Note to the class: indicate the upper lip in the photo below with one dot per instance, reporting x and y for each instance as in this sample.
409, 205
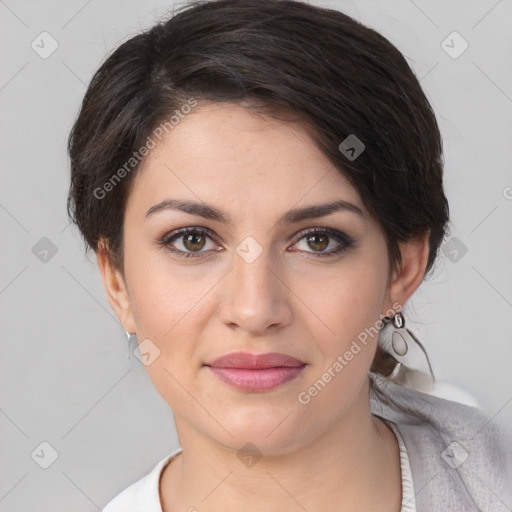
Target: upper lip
245, 360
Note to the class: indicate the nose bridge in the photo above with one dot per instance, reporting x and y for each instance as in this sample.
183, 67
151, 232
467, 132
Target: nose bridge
256, 298
253, 268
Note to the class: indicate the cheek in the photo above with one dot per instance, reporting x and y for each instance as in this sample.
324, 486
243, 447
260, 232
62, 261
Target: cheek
168, 310
346, 306
172, 306
349, 306
164, 295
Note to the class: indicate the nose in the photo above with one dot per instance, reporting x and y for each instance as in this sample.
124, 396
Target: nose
254, 298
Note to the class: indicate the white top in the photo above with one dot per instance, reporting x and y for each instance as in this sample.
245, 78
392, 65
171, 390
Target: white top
144, 495
408, 500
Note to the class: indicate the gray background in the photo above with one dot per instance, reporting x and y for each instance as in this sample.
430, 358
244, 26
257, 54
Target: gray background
65, 376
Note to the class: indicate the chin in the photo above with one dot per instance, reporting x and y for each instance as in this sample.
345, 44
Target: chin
272, 429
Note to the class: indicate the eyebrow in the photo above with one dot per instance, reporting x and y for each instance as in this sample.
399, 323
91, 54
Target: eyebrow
292, 216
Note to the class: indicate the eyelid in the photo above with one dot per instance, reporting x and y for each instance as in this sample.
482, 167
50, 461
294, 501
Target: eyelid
182, 231
334, 233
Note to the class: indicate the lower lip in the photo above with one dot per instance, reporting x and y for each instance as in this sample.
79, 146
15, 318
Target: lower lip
257, 380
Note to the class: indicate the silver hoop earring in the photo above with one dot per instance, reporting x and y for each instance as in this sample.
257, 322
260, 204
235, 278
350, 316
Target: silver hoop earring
413, 367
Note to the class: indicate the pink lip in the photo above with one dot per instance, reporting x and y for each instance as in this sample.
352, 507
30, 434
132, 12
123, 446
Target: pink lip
256, 372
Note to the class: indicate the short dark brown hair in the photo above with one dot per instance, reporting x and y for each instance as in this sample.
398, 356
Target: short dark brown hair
331, 73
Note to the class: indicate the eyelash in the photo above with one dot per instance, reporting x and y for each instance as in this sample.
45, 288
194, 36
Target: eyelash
345, 241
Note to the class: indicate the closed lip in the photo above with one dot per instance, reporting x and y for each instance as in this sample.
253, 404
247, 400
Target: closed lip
247, 361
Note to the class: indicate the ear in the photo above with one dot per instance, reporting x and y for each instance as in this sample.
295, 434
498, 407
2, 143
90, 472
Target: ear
115, 287
414, 263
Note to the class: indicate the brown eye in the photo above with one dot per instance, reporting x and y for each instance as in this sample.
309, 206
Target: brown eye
188, 242
324, 242
318, 242
194, 241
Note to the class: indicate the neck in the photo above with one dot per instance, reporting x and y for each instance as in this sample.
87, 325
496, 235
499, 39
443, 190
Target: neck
354, 465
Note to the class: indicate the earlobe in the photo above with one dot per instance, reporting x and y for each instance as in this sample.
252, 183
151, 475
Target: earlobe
115, 288
414, 263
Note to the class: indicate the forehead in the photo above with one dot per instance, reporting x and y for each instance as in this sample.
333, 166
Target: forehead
223, 154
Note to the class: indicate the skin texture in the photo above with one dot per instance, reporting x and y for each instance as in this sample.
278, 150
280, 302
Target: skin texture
329, 454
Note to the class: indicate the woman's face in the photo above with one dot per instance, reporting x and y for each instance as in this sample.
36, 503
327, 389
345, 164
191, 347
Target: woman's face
255, 279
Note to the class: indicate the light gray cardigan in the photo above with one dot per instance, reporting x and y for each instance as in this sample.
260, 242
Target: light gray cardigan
460, 459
